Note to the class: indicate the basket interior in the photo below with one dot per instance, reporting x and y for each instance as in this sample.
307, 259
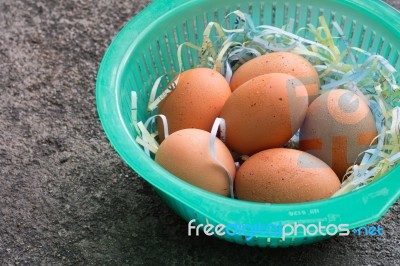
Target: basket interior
157, 55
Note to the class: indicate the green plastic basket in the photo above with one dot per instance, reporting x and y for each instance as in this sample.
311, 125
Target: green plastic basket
146, 48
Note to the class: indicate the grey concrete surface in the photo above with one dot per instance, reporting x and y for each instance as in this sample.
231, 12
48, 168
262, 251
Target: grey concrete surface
66, 198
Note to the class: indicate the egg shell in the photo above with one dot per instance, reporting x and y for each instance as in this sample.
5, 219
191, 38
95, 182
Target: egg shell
264, 112
338, 127
279, 62
186, 154
196, 101
285, 176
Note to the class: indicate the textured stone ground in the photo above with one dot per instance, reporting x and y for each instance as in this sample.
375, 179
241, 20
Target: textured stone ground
66, 198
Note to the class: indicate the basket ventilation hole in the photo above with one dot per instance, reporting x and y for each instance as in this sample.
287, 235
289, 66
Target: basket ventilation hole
273, 15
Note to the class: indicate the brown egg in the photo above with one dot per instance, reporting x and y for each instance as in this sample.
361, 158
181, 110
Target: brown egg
195, 102
186, 154
279, 62
338, 127
264, 112
285, 176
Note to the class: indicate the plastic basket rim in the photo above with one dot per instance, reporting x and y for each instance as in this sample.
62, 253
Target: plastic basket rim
106, 81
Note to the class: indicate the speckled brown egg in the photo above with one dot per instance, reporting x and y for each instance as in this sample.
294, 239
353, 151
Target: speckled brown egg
264, 112
285, 176
196, 101
186, 154
338, 127
279, 62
